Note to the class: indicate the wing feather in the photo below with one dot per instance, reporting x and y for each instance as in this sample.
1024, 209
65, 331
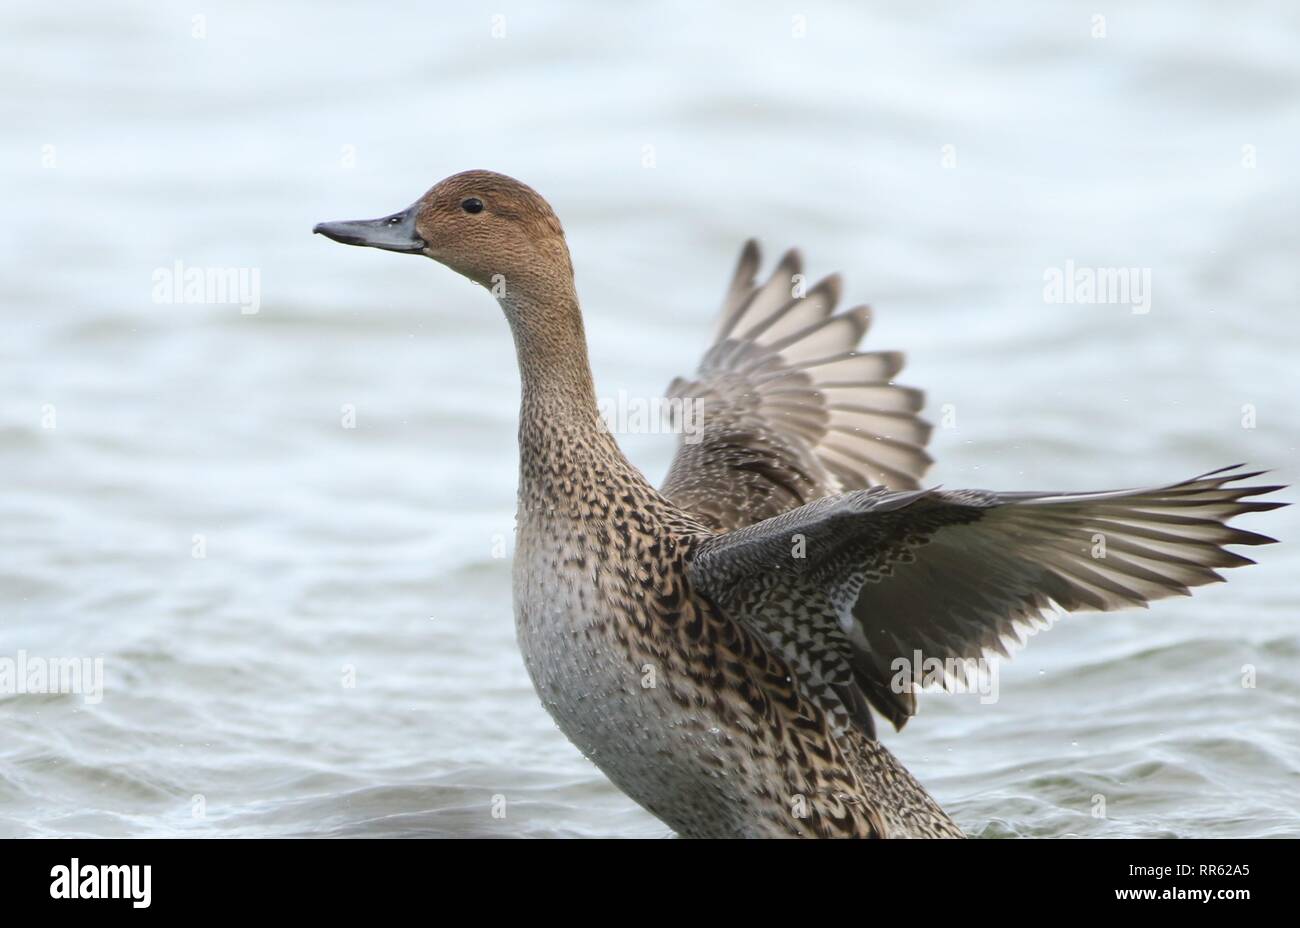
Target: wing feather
790, 411
954, 575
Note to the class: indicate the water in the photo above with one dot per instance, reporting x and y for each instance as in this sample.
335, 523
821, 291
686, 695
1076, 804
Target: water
368, 554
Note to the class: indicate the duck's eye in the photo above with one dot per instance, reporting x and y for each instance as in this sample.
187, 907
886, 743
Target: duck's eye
395, 220
472, 205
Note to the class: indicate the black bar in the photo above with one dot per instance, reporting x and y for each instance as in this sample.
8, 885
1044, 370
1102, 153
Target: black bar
331, 878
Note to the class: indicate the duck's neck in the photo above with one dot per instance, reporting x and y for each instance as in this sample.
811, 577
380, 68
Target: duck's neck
564, 447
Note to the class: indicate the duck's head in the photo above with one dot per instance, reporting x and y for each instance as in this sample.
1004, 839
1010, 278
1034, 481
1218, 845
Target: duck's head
491, 228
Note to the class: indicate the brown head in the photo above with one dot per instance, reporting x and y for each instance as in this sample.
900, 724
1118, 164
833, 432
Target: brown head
491, 228
501, 234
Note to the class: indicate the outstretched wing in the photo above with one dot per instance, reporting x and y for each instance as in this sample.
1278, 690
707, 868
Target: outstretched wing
788, 411
955, 574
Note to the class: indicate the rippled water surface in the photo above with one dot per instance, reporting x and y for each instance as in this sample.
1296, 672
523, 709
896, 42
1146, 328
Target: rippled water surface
136, 434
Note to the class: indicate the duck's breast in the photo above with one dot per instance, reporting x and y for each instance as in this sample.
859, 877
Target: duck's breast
624, 694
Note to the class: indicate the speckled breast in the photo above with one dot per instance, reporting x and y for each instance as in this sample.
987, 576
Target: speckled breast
602, 655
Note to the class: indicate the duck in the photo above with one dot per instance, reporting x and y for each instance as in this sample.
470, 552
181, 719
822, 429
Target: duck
721, 646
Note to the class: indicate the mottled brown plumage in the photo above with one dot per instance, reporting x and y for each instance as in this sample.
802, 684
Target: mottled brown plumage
717, 648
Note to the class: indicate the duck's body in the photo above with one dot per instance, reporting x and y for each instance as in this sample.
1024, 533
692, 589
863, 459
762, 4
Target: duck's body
718, 647
681, 707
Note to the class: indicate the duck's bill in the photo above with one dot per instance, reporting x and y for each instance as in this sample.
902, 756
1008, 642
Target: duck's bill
391, 233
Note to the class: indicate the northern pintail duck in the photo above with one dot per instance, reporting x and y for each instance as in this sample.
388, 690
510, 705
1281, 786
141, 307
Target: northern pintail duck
718, 646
